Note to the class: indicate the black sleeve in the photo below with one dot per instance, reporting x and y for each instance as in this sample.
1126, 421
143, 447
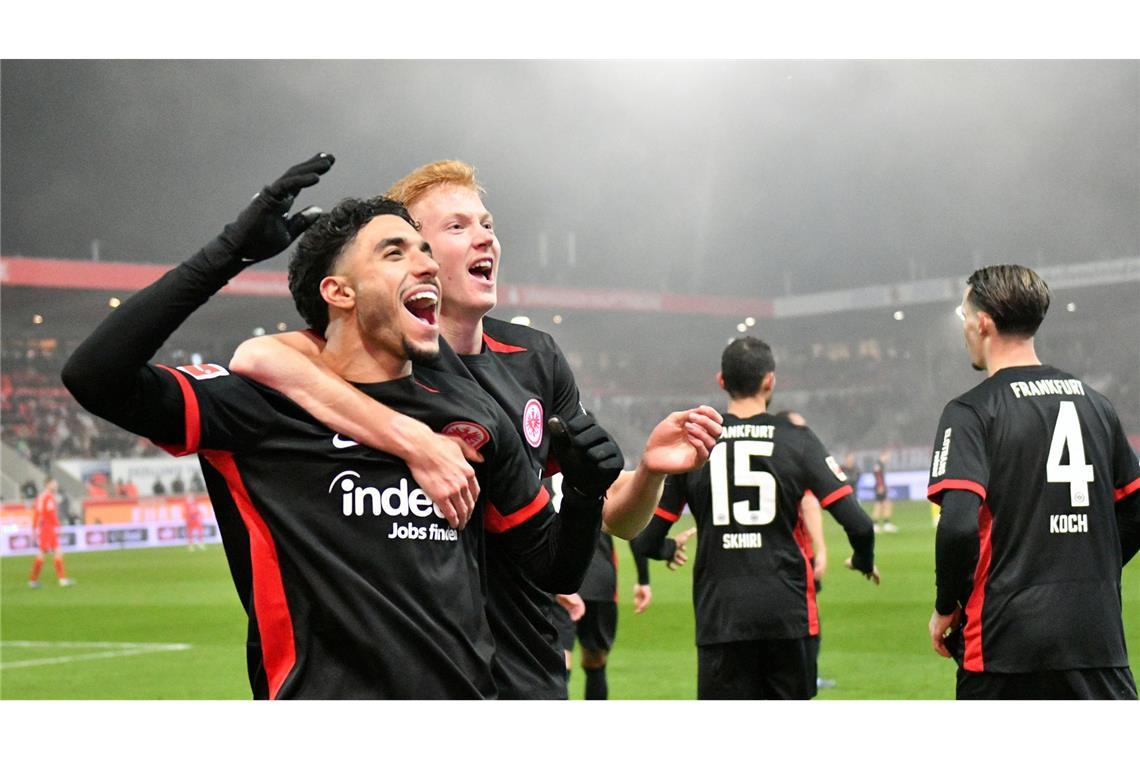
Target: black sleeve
1128, 522
1126, 489
641, 562
652, 542
960, 461
859, 529
108, 373
553, 548
956, 549
836, 495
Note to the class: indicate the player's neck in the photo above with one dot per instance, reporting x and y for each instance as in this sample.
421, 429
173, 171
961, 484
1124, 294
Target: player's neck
464, 332
1004, 353
356, 360
749, 406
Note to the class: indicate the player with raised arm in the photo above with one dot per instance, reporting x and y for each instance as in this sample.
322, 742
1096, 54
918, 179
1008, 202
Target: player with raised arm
1040, 497
354, 583
753, 586
526, 373
45, 526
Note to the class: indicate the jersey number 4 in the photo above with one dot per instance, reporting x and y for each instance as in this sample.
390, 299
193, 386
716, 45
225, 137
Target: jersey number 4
1078, 474
743, 477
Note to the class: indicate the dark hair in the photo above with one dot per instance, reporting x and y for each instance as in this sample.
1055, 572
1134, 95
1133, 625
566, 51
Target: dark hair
1014, 296
320, 246
744, 364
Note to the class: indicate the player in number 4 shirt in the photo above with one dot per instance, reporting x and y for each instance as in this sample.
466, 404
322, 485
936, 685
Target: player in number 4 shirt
753, 585
1040, 496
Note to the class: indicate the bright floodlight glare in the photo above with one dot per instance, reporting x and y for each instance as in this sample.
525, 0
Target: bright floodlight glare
258, 332
557, 319
750, 321
282, 327
114, 303
1070, 307
37, 319
521, 319
741, 327
898, 315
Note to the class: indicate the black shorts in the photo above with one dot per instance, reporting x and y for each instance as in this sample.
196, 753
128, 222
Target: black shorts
598, 627
880, 495
566, 628
759, 669
1088, 683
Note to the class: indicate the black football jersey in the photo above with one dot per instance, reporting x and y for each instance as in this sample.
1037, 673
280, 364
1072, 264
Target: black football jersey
525, 372
354, 583
1048, 458
752, 578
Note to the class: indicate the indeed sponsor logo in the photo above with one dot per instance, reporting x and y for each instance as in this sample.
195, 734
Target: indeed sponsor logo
394, 501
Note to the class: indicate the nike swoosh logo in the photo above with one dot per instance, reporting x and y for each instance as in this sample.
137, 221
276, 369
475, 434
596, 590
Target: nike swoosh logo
343, 443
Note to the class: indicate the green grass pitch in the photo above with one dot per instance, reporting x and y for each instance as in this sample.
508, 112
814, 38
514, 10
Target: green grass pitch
166, 624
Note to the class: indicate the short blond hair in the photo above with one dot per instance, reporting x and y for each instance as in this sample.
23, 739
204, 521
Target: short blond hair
430, 176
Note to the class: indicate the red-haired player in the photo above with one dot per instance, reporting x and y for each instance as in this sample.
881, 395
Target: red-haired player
45, 523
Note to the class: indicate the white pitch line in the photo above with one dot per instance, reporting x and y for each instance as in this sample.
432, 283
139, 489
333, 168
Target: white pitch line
117, 649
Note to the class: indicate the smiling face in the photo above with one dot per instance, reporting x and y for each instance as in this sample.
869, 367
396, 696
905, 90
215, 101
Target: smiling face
388, 279
459, 228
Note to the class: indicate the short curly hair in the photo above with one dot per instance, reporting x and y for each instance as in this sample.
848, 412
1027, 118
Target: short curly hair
322, 244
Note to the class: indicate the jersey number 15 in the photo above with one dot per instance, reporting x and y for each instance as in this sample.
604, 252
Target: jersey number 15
743, 477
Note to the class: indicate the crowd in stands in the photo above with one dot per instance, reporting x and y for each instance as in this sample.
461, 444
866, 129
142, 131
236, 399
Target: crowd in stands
864, 394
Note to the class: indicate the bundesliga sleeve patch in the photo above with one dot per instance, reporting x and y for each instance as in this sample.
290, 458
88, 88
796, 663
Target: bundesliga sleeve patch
836, 469
471, 433
204, 371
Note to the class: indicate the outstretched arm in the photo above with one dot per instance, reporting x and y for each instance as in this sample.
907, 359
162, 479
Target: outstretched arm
680, 443
290, 363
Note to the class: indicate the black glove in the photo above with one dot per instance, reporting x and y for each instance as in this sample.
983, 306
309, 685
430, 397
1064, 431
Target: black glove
590, 459
265, 228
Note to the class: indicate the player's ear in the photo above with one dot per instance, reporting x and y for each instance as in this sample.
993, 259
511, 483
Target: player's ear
768, 383
986, 324
337, 291
720, 380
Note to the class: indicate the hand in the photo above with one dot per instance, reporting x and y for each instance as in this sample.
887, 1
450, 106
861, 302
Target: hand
679, 555
819, 565
682, 441
873, 575
942, 626
265, 228
573, 604
590, 459
439, 465
642, 598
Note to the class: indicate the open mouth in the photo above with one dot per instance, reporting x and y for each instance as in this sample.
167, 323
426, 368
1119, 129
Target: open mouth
482, 269
422, 305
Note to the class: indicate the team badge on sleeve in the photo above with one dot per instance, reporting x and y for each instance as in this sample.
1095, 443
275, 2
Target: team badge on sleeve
533, 423
836, 469
204, 371
471, 433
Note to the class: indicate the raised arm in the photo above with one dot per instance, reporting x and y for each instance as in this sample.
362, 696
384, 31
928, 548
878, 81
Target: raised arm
108, 373
290, 363
680, 443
